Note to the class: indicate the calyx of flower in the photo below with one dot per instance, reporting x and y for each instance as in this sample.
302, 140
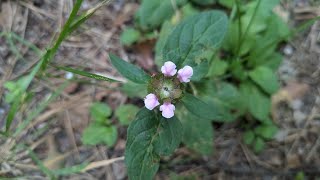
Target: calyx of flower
165, 88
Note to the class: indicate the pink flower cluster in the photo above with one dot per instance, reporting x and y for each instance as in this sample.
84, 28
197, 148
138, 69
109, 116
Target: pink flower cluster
168, 69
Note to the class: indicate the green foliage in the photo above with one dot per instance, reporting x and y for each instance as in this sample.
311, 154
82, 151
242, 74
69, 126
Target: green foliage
234, 63
152, 13
258, 145
200, 108
86, 74
100, 129
204, 2
266, 131
195, 36
197, 132
256, 102
129, 71
129, 36
134, 90
265, 78
150, 136
99, 112
126, 113
248, 137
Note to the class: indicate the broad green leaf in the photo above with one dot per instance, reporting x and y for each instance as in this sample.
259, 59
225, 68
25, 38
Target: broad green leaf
152, 13
265, 78
200, 108
99, 134
134, 90
266, 131
86, 74
129, 36
126, 113
218, 67
194, 36
197, 132
227, 3
129, 71
166, 29
248, 137
258, 145
260, 15
149, 136
204, 2
257, 103
226, 100
100, 111
200, 71
238, 71
189, 10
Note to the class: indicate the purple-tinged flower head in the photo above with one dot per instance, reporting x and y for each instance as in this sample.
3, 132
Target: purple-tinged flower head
167, 88
167, 110
151, 101
185, 74
169, 69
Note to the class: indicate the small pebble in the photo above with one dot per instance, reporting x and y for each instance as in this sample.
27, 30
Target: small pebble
288, 50
299, 117
296, 104
69, 75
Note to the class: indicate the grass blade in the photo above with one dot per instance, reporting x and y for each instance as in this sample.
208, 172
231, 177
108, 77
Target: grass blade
86, 74
64, 33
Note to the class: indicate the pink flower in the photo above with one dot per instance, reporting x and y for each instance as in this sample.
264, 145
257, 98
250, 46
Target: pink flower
169, 69
185, 74
167, 110
151, 101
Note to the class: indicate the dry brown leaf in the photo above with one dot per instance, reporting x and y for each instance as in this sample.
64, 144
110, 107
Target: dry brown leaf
145, 54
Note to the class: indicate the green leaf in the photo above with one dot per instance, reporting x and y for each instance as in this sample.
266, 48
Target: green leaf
227, 3
129, 36
100, 111
166, 29
86, 74
227, 99
265, 78
258, 104
200, 71
259, 145
189, 10
152, 14
126, 113
129, 71
218, 67
195, 36
204, 2
134, 90
248, 137
149, 136
200, 108
197, 132
99, 134
266, 131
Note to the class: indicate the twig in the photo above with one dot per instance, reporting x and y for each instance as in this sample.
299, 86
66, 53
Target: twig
98, 164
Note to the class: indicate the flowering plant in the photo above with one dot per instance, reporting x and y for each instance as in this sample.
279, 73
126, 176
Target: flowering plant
153, 134
233, 63
166, 87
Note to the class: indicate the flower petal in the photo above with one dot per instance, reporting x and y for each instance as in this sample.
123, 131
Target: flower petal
169, 69
185, 74
151, 101
167, 110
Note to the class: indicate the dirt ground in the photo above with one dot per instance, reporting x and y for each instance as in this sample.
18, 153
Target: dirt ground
296, 107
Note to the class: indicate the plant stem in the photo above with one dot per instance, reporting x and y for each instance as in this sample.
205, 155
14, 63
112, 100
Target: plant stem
65, 31
248, 27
